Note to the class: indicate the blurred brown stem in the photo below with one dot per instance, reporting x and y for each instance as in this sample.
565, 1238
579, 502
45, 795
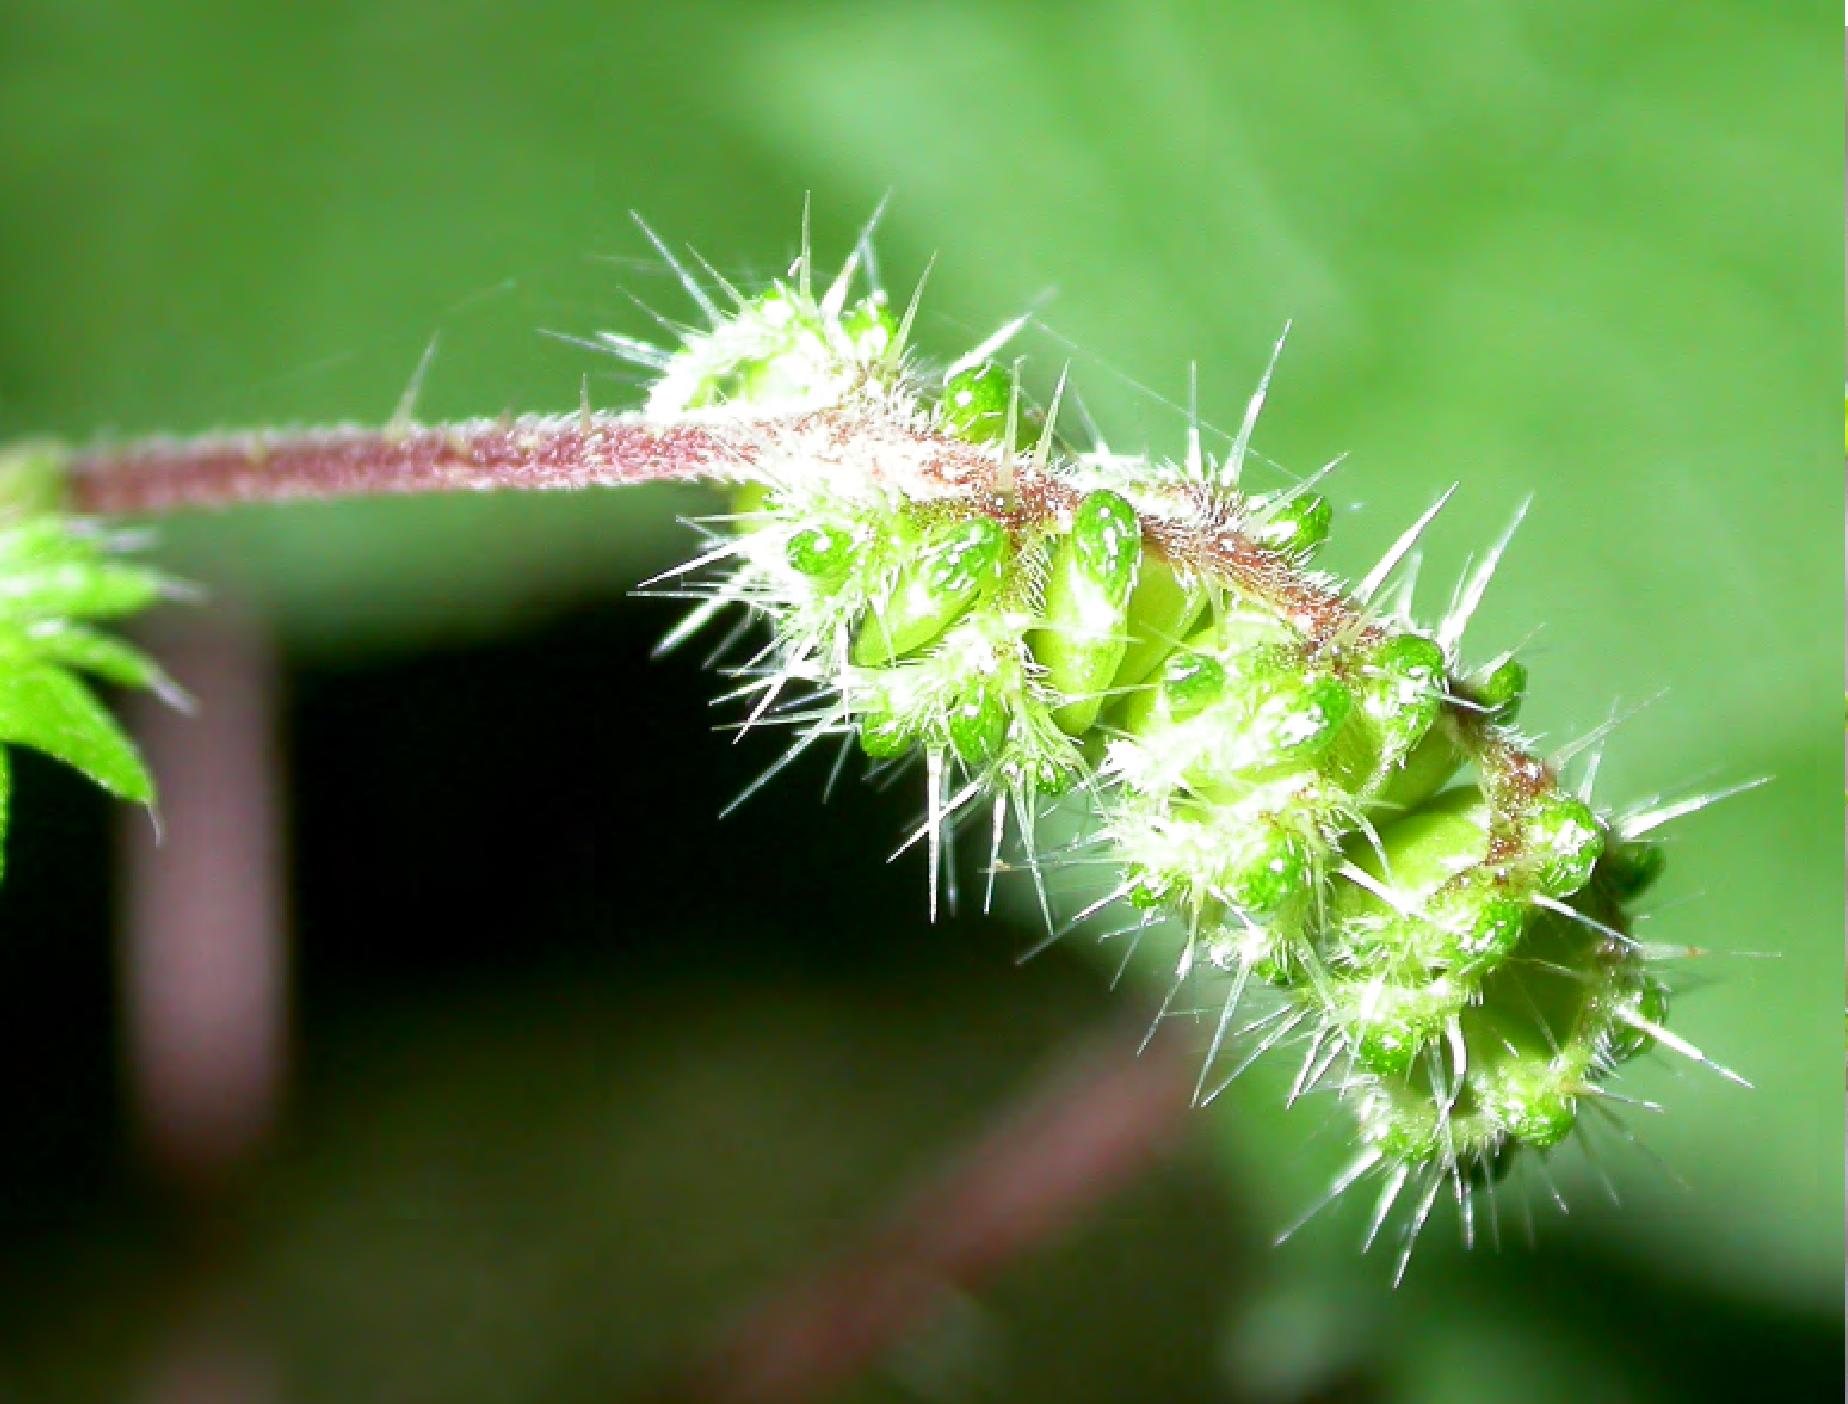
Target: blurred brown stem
1098, 1118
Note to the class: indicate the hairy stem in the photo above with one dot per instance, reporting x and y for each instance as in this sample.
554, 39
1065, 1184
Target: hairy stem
533, 452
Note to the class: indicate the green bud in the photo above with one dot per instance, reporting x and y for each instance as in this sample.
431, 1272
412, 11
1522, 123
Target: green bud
1408, 670
978, 726
1485, 931
1425, 849
821, 552
959, 565
1627, 870
1563, 840
1106, 542
1191, 682
870, 327
1425, 770
1148, 890
884, 737
1390, 1024
1525, 1096
1051, 779
1400, 688
1314, 715
1273, 875
1295, 526
1501, 690
967, 558
1406, 1138
974, 404
1088, 587
1648, 1000
1162, 610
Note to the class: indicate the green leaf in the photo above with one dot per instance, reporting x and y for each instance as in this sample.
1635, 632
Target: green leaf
79, 589
104, 656
48, 709
40, 541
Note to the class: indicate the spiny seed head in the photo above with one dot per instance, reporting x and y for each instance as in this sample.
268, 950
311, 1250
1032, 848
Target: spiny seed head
1290, 783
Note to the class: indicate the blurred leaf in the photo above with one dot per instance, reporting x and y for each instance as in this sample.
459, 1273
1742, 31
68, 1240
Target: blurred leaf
47, 709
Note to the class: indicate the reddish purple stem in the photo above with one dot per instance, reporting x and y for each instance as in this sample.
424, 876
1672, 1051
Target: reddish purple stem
530, 452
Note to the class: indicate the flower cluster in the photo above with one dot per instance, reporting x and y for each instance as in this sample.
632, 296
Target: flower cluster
1328, 807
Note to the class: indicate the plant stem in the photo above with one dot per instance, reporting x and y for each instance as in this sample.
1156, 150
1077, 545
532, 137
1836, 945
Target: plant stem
1098, 1119
530, 452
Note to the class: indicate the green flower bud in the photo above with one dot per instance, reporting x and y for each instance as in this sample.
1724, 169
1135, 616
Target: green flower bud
959, 565
1162, 609
978, 726
1272, 875
1051, 779
1485, 931
1501, 690
821, 552
1295, 526
1628, 870
1088, 587
1527, 1098
967, 558
1388, 1025
1408, 672
1400, 688
1148, 890
1106, 544
884, 737
1564, 840
974, 404
1427, 848
1313, 715
1191, 682
870, 327
1404, 1129
1648, 1000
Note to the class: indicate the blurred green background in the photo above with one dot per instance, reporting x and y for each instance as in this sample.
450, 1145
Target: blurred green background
579, 1069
